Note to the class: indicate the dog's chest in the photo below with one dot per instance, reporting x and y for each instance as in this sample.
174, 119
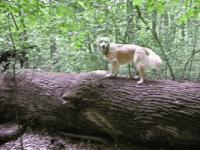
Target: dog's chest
110, 56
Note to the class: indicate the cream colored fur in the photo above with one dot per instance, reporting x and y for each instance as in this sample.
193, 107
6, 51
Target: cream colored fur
119, 54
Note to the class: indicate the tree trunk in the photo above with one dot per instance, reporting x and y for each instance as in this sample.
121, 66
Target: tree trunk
158, 113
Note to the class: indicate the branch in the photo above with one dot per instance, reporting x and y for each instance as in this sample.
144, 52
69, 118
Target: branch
14, 21
140, 16
83, 137
14, 76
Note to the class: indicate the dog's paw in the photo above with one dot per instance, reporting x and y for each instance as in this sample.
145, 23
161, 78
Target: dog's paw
111, 75
108, 75
140, 82
136, 77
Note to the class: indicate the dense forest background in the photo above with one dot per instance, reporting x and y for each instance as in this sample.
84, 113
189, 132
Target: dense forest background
60, 35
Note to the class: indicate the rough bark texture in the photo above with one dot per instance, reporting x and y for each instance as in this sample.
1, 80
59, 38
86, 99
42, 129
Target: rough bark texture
158, 113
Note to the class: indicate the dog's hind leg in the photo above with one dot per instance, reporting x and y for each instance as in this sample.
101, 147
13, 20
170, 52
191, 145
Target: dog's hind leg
140, 64
141, 69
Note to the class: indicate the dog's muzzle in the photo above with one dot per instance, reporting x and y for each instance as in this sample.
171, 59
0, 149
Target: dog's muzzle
102, 45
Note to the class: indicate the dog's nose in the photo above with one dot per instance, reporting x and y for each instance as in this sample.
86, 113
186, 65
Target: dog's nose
104, 46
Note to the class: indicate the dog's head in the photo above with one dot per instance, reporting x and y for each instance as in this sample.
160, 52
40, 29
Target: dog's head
103, 44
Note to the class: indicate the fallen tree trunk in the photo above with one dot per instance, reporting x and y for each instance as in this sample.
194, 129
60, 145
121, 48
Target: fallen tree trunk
158, 113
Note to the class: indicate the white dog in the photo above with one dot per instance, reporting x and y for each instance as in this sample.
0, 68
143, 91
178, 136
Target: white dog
118, 54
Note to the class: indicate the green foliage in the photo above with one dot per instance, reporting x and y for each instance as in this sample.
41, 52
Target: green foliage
65, 31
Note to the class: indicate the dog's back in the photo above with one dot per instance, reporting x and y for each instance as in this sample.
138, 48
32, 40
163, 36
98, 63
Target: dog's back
124, 53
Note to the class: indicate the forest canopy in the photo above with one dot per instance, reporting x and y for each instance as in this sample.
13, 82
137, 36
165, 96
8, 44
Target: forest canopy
60, 35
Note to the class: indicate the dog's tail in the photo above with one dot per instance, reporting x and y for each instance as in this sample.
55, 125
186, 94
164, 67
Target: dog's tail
154, 61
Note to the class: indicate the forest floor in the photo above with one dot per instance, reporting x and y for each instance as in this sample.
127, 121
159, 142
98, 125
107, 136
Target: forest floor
44, 141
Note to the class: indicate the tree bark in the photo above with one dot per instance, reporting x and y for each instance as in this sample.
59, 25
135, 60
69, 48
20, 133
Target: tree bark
159, 113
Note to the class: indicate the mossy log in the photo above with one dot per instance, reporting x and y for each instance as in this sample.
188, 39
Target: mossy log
158, 113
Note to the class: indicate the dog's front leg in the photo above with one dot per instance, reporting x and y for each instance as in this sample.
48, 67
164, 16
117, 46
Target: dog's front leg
115, 67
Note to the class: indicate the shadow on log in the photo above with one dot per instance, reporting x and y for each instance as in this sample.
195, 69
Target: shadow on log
157, 113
